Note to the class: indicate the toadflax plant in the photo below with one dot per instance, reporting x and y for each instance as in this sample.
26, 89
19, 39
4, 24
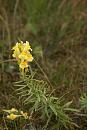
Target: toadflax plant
21, 51
44, 107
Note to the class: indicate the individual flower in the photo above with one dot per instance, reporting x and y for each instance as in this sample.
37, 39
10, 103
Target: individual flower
21, 46
16, 51
12, 116
15, 47
14, 110
24, 114
27, 46
16, 54
23, 65
25, 56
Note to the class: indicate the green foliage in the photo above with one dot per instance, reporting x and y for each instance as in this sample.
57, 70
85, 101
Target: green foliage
83, 101
41, 102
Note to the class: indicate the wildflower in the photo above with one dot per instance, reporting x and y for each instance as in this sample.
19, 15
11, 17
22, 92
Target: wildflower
24, 114
16, 53
21, 51
15, 47
13, 116
14, 110
27, 46
25, 56
23, 65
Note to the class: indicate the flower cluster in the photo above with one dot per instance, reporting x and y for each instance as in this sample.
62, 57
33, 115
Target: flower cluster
21, 51
13, 113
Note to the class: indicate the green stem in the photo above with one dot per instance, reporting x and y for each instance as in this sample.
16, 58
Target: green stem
15, 125
23, 73
31, 70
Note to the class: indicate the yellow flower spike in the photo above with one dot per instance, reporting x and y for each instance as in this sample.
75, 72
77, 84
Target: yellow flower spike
21, 51
24, 114
13, 116
23, 65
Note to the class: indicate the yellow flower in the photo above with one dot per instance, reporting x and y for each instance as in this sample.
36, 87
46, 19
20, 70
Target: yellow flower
15, 47
16, 54
29, 57
13, 116
24, 114
21, 46
22, 54
25, 56
18, 46
23, 65
27, 46
16, 50
14, 110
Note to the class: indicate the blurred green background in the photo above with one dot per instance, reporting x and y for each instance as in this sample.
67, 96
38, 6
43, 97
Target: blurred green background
57, 31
